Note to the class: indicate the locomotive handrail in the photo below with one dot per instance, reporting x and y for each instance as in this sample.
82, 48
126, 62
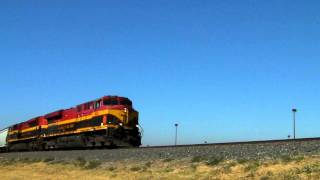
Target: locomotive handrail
141, 132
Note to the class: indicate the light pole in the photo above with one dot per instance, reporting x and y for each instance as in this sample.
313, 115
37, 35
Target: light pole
176, 137
294, 122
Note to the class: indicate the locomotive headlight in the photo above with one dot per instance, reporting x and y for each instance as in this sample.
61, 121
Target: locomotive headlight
120, 124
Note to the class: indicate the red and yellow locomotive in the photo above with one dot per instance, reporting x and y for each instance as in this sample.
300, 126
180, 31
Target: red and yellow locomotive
107, 121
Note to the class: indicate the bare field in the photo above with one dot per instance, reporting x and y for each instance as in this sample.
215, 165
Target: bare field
286, 167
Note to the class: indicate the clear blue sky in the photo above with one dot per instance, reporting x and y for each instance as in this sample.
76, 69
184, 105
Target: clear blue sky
224, 70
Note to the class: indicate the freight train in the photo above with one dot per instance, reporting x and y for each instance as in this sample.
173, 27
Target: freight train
110, 121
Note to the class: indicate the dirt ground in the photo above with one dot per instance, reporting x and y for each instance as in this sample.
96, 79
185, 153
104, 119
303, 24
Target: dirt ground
297, 167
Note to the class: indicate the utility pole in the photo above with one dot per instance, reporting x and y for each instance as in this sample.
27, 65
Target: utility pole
176, 137
294, 122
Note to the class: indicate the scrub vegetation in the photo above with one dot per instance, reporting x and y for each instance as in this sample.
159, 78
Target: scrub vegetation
285, 167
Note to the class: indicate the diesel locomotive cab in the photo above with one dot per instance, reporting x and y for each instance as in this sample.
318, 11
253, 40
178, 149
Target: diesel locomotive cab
120, 109
122, 119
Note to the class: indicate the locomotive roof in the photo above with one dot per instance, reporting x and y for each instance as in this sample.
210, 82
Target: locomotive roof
59, 112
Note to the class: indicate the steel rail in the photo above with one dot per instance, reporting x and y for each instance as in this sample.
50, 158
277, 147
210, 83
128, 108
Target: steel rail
238, 142
195, 145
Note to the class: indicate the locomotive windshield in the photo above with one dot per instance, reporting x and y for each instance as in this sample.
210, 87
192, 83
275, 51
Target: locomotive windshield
110, 101
114, 101
125, 102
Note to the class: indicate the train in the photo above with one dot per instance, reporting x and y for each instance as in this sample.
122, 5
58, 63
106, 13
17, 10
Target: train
109, 121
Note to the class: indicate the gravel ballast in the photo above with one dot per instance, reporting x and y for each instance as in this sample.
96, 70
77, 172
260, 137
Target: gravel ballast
262, 150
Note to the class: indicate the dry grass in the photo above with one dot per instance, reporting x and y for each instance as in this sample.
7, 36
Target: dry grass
298, 167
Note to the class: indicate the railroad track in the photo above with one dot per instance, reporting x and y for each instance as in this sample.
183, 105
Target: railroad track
238, 142
229, 150
195, 145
